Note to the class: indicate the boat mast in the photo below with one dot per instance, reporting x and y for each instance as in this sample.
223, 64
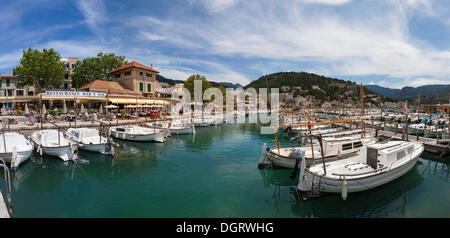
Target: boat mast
363, 131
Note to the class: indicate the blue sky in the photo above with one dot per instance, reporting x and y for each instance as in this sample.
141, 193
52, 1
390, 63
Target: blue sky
386, 42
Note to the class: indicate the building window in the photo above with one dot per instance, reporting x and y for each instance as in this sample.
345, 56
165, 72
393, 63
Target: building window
1, 81
149, 75
140, 73
8, 81
127, 73
73, 66
117, 75
66, 86
10, 92
149, 87
30, 93
19, 92
66, 76
141, 86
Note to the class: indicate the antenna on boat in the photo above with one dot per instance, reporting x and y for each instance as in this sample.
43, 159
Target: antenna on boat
363, 126
319, 138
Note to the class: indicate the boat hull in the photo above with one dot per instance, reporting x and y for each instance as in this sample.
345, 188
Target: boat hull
64, 152
158, 137
22, 156
325, 184
188, 130
100, 148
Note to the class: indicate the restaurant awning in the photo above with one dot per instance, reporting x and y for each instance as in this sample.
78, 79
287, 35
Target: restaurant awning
122, 100
138, 101
68, 98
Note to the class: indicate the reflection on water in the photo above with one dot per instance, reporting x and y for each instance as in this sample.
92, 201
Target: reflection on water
210, 174
388, 200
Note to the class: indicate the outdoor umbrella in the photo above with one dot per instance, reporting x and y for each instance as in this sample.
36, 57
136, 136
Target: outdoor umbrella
4, 110
101, 109
82, 109
44, 110
26, 109
64, 108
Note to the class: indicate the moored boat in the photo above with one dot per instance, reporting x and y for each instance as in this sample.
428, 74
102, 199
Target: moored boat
15, 148
53, 142
376, 165
137, 133
333, 148
90, 139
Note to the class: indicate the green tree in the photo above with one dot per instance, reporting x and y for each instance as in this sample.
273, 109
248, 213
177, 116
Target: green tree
189, 83
96, 68
42, 69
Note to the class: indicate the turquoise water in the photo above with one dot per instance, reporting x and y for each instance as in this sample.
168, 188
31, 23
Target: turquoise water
211, 174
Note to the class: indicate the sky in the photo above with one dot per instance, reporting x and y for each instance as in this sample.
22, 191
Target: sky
391, 43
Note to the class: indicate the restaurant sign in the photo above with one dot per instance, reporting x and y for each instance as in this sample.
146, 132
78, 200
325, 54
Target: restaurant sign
74, 94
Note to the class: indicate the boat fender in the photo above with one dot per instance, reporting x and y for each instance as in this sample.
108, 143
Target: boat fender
40, 150
302, 185
14, 162
344, 189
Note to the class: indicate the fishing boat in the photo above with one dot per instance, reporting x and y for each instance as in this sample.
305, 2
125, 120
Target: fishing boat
333, 148
175, 127
90, 139
53, 142
137, 133
15, 148
377, 164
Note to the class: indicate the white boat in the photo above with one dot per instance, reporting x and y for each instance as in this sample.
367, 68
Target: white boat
175, 127
333, 148
202, 122
15, 148
52, 142
376, 165
137, 133
89, 139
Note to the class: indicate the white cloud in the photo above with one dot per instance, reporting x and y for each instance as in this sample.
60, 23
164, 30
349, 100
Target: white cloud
150, 36
330, 2
377, 44
93, 11
9, 61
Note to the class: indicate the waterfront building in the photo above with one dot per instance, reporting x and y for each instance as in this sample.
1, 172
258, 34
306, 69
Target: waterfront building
436, 108
137, 77
11, 95
69, 66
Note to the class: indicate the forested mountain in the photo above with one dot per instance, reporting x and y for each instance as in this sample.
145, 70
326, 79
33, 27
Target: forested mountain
408, 92
441, 98
163, 79
307, 84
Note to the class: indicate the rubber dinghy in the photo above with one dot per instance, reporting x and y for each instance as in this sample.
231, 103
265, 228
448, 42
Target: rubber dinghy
53, 142
15, 148
376, 165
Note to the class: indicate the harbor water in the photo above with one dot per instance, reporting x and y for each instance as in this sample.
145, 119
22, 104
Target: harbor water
210, 174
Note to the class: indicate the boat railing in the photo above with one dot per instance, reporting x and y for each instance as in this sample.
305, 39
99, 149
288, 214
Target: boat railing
8, 192
358, 174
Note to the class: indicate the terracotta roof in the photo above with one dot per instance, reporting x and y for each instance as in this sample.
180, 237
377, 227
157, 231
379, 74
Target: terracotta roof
135, 65
7, 75
101, 84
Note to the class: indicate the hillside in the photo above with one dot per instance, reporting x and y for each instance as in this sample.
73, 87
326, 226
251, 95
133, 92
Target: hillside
320, 87
163, 79
441, 98
408, 92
